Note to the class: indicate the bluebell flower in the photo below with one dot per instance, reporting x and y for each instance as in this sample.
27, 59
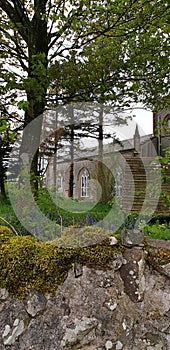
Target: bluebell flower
112, 226
48, 215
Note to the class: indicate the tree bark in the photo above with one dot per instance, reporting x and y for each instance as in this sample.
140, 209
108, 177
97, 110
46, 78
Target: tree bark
36, 86
72, 135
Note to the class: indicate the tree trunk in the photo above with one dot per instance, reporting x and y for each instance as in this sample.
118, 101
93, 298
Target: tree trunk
100, 134
36, 88
2, 185
71, 177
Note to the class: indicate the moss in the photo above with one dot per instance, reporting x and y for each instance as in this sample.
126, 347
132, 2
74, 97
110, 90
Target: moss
157, 257
73, 237
17, 264
26, 264
5, 234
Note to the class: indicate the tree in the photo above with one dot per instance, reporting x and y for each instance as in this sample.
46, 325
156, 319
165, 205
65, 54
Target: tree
82, 121
39, 36
8, 135
4, 154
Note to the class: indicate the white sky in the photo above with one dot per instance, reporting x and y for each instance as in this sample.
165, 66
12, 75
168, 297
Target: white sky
144, 120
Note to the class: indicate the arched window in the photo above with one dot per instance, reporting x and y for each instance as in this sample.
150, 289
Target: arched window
168, 124
60, 183
118, 182
84, 183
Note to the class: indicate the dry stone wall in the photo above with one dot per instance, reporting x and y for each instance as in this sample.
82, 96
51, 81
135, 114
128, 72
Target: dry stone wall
126, 307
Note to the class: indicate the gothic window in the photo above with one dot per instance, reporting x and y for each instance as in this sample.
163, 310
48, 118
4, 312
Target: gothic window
168, 124
118, 182
60, 183
84, 183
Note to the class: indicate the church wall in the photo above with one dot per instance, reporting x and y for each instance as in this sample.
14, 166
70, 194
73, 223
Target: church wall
162, 131
115, 163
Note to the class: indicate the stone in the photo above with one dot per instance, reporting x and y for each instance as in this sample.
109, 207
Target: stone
10, 335
118, 261
119, 345
127, 308
78, 269
113, 240
35, 303
165, 269
132, 273
156, 347
78, 330
3, 294
131, 238
108, 345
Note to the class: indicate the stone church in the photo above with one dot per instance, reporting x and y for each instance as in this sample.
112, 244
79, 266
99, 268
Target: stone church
125, 170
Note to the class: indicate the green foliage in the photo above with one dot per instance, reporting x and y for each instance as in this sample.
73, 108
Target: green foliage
111, 44
23, 105
165, 174
7, 213
118, 51
6, 222
156, 231
131, 220
71, 212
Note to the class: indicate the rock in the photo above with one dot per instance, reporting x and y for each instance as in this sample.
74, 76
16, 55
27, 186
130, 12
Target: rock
35, 303
108, 345
165, 269
113, 240
111, 305
3, 294
159, 243
156, 347
77, 331
118, 261
131, 238
105, 309
132, 273
119, 345
10, 335
78, 269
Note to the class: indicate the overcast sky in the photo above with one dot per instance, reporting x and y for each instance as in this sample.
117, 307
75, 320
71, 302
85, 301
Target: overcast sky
144, 120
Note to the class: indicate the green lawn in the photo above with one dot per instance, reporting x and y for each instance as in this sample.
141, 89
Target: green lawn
70, 212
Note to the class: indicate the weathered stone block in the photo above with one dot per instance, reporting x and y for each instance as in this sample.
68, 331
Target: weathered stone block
131, 238
132, 273
35, 303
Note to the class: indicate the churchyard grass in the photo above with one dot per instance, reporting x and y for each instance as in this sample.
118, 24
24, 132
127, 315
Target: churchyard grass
89, 214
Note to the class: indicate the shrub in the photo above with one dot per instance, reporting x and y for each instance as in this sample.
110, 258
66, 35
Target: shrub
156, 231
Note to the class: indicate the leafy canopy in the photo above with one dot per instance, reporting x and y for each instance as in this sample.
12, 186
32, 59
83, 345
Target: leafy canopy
84, 50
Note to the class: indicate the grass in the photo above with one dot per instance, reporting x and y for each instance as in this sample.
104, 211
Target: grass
157, 231
8, 218
69, 212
